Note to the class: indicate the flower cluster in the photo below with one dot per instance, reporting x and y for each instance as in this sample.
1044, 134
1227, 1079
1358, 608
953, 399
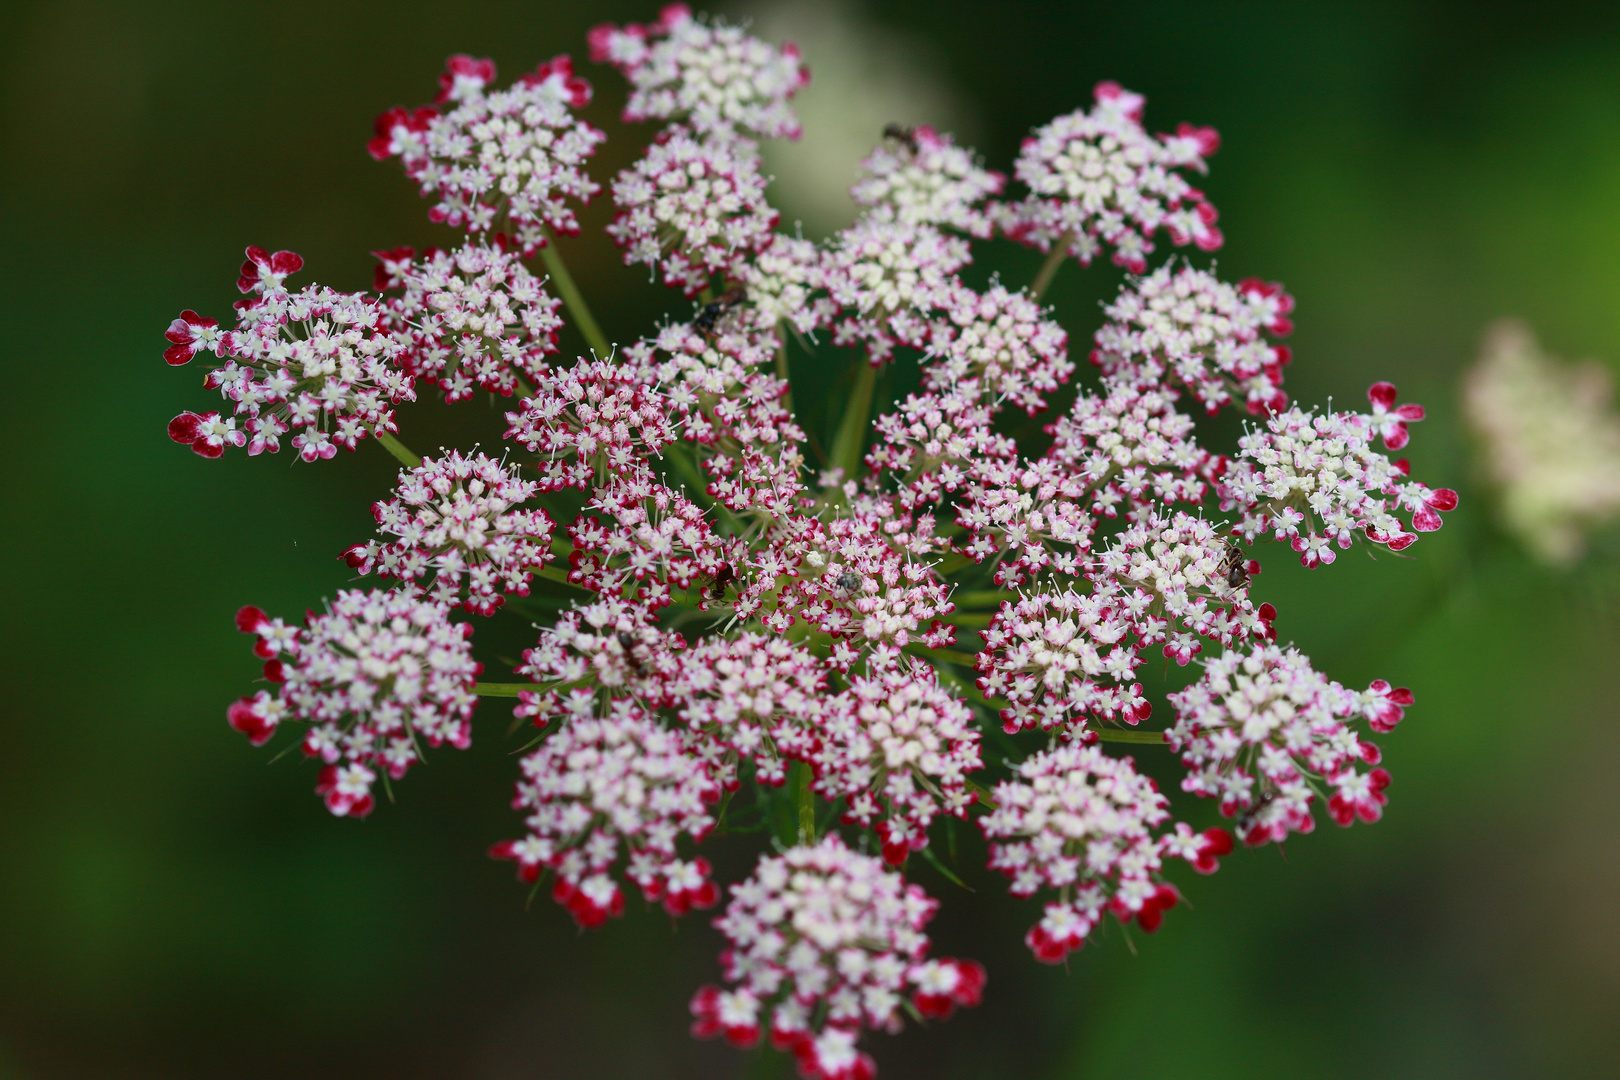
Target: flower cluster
598, 784
1078, 821
511, 158
1098, 179
1189, 327
1549, 440
610, 643
593, 416
692, 207
754, 566
750, 698
713, 76
454, 519
1263, 733
1057, 657
889, 278
1317, 481
900, 739
317, 361
825, 941
921, 177
375, 674
1000, 342
472, 317
1130, 447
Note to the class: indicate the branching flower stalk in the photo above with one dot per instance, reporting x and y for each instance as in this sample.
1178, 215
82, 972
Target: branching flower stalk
733, 637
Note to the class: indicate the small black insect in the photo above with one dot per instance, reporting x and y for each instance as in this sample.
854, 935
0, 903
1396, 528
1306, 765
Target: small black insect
902, 134
1245, 820
627, 645
722, 578
848, 581
711, 312
1235, 567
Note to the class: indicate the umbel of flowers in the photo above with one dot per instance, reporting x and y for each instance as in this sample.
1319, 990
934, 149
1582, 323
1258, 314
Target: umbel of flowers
750, 617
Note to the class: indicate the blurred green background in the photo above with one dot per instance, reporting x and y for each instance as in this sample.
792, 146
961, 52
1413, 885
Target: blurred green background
172, 907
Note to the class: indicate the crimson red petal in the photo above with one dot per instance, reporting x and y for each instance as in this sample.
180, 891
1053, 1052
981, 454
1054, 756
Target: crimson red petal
185, 428
1442, 499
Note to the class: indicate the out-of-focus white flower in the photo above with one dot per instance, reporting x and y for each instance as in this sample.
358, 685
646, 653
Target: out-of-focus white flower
1550, 441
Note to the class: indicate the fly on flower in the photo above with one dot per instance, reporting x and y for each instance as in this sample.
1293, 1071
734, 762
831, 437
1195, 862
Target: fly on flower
902, 134
1235, 565
752, 594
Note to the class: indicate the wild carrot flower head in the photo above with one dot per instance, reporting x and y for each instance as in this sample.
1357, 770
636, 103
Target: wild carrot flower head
1266, 735
1082, 823
1190, 328
899, 743
1317, 481
890, 276
317, 362
1000, 340
752, 698
775, 584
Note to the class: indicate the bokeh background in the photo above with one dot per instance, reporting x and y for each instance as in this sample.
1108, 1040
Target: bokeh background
171, 906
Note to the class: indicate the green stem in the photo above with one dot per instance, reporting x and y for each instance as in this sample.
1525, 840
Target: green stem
928, 853
782, 369
985, 798
399, 450
847, 446
572, 297
807, 806
953, 562
1049, 268
552, 573
501, 689
952, 656
681, 456
1152, 738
